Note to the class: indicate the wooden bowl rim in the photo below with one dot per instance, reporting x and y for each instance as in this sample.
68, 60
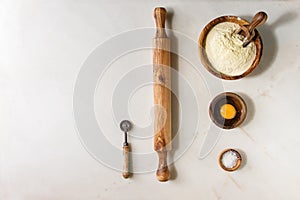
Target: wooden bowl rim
202, 41
243, 109
238, 164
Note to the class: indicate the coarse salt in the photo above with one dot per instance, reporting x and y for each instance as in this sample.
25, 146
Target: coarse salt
229, 159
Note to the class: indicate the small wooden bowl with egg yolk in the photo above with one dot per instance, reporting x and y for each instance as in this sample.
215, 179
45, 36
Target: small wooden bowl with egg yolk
228, 110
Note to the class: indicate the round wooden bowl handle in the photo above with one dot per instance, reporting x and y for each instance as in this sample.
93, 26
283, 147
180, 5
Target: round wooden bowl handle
162, 94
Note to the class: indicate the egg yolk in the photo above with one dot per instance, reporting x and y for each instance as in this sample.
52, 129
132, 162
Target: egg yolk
227, 111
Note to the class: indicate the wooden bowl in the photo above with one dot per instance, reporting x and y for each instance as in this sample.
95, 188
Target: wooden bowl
238, 163
202, 43
228, 98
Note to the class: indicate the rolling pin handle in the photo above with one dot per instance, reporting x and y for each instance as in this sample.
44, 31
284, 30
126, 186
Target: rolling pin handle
160, 15
162, 173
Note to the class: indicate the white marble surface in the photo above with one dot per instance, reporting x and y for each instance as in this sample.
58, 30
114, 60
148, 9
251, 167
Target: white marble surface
43, 45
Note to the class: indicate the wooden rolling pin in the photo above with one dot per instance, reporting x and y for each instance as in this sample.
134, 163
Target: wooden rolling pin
162, 94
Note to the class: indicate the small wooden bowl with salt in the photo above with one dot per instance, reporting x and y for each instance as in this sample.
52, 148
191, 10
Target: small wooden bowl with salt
230, 160
228, 62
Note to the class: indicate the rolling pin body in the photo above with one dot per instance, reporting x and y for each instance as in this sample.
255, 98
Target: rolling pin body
162, 94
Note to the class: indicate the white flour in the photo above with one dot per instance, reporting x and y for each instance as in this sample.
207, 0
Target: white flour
225, 51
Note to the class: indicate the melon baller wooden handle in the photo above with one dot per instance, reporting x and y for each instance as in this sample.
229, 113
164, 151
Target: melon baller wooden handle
126, 172
162, 94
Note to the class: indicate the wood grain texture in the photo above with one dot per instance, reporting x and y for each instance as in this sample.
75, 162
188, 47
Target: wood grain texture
162, 94
248, 30
202, 45
126, 173
259, 19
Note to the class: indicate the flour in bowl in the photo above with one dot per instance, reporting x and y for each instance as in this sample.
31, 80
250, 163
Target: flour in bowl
225, 51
